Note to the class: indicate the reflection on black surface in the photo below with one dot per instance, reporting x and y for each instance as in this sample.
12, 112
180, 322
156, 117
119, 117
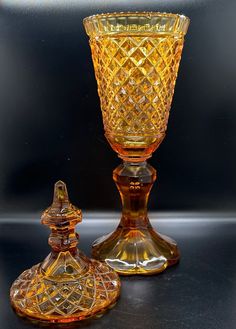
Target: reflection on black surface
30, 323
198, 293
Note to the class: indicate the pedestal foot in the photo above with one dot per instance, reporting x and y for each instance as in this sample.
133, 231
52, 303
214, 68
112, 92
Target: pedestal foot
135, 247
136, 251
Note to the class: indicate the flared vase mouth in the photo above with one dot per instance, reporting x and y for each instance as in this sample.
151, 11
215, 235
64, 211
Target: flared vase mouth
140, 23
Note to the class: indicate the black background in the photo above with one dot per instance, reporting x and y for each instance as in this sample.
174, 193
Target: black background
50, 120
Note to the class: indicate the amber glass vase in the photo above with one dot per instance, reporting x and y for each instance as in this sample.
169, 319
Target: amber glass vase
136, 57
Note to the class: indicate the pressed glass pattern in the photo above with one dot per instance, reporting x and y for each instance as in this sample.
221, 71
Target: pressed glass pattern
136, 58
136, 67
66, 286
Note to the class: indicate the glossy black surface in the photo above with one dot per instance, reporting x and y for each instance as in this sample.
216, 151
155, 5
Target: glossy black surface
199, 293
50, 118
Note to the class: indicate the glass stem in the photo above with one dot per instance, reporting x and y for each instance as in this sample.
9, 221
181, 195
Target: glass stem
134, 181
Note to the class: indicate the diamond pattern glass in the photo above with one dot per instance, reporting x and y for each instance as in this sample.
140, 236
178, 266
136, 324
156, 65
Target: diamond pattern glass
136, 58
67, 286
136, 72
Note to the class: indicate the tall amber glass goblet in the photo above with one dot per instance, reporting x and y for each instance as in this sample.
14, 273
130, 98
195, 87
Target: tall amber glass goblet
136, 58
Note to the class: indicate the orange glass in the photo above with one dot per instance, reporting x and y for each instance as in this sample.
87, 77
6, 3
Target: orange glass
136, 58
66, 286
